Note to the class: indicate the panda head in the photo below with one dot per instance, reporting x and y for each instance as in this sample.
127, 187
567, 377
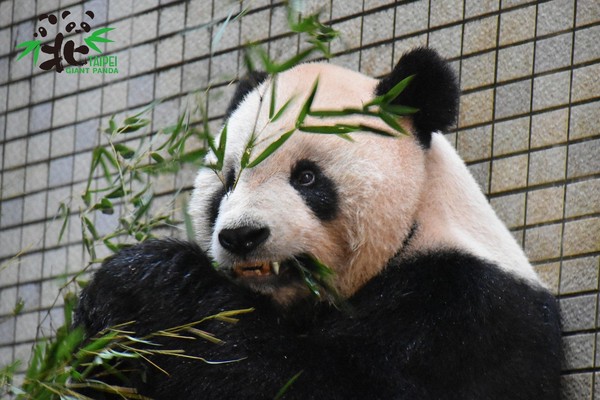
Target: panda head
349, 204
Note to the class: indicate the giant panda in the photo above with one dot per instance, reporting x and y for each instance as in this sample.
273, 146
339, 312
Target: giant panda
432, 297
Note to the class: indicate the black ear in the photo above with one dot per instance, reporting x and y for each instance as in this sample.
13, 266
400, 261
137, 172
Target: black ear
434, 91
245, 86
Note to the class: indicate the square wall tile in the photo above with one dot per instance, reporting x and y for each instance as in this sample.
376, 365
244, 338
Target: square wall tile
447, 41
446, 12
581, 236
586, 84
583, 158
511, 136
579, 275
475, 144
510, 209
578, 313
478, 70
378, 26
543, 243
517, 25
547, 166
513, 99
545, 205
480, 34
553, 52
588, 11
579, 195
515, 62
549, 128
551, 90
411, 17
585, 120
476, 108
555, 16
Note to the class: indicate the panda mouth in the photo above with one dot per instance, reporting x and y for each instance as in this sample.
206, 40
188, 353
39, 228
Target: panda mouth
259, 268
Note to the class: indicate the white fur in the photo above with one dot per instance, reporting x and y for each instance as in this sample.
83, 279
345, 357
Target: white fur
455, 213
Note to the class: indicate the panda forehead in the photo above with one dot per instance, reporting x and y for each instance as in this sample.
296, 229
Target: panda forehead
338, 88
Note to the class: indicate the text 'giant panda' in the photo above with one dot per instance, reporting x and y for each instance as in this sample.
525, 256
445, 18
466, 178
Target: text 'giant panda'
439, 301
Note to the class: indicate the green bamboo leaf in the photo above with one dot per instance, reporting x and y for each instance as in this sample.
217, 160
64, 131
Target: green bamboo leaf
372, 129
398, 109
105, 206
116, 193
189, 224
31, 45
90, 227
292, 62
124, 151
286, 387
307, 104
64, 211
192, 156
335, 113
245, 158
329, 129
273, 91
95, 37
220, 153
157, 157
271, 148
391, 121
394, 92
282, 110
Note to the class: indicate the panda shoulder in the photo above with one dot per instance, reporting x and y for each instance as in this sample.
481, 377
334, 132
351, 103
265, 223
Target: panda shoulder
460, 287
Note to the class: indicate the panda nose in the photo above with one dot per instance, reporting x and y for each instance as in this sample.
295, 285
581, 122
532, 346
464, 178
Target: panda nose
242, 241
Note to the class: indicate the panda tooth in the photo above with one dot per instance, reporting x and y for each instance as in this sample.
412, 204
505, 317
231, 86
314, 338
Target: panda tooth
275, 266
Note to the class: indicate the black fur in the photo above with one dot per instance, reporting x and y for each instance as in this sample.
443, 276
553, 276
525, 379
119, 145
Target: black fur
217, 197
321, 196
434, 91
444, 325
245, 86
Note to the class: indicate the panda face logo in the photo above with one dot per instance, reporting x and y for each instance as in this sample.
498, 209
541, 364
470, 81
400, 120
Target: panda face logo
318, 200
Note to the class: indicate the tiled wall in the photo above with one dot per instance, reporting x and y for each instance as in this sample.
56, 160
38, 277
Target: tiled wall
528, 127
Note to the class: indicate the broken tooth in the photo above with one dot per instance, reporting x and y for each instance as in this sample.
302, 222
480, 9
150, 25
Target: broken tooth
275, 267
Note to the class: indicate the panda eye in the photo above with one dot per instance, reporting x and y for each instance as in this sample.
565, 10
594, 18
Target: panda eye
306, 178
70, 26
85, 26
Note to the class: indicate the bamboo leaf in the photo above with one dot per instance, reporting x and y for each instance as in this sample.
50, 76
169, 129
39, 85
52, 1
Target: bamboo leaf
271, 148
124, 151
282, 110
31, 45
220, 32
399, 109
95, 37
292, 62
286, 387
273, 92
64, 213
329, 129
394, 92
391, 121
307, 104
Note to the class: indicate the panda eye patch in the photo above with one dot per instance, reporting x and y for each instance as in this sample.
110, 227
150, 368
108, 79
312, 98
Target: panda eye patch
317, 190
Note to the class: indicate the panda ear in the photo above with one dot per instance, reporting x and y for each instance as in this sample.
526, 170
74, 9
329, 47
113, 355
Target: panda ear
245, 86
434, 91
